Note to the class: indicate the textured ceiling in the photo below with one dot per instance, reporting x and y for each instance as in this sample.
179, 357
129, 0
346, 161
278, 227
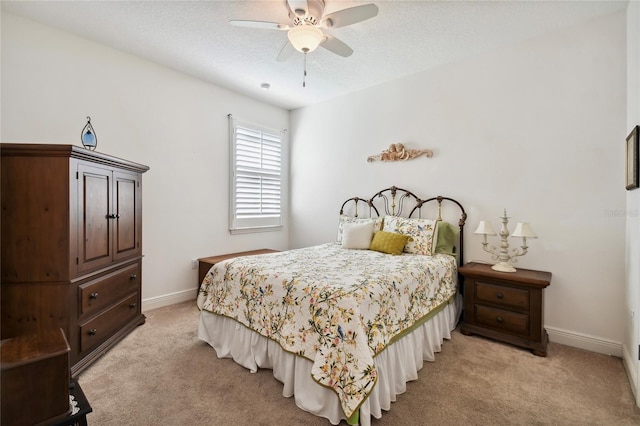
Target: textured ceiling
405, 38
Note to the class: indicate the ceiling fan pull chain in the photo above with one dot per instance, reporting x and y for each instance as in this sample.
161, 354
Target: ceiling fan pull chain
304, 75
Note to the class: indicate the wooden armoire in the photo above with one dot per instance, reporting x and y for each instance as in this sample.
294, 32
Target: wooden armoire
71, 231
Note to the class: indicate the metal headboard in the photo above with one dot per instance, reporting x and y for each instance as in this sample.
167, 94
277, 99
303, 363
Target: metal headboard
393, 201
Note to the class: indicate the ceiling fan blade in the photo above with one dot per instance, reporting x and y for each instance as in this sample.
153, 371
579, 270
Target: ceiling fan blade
349, 16
260, 24
299, 7
336, 46
286, 52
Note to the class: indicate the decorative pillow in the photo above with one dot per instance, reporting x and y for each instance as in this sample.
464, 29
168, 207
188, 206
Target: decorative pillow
377, 224
447, 234
357, 235
422, 233
388, 242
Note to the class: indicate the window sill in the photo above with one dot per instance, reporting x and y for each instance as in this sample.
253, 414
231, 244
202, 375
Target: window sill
255, 229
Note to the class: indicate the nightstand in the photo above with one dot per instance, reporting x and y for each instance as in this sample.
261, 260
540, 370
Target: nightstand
205, 263
506, 306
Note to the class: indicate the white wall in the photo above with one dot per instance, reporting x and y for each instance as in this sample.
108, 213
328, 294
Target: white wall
175, 124
536, 128
632, 212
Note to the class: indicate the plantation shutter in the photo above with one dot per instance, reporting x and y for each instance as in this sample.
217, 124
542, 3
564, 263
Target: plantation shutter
257, 178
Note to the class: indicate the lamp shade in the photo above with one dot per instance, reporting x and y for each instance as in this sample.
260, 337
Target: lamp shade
485, 228
524, 230
305, 38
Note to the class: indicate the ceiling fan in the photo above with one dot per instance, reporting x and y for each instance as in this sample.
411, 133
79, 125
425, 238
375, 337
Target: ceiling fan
305, 32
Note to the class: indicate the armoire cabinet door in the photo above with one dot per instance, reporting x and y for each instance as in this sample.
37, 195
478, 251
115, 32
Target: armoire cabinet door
110, 213
128, 203
95, 216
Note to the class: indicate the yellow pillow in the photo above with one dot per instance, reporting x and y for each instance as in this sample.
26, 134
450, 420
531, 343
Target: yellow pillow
388, 242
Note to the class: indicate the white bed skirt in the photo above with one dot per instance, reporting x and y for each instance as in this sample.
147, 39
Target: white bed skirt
396, 365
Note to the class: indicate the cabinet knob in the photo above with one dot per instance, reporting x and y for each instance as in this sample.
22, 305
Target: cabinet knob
113, 216
499, 295
93, 332
133, 276
133, 305
93, 296
499, 320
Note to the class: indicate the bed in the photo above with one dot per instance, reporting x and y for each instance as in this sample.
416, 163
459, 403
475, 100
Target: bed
344, 325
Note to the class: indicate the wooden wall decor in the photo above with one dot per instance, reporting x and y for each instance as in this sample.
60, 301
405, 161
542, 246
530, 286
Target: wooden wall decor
397, 152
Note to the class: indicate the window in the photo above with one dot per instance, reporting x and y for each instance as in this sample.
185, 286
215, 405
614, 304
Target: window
256, 181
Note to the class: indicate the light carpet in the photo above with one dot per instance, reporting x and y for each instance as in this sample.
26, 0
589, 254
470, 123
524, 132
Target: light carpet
161, 374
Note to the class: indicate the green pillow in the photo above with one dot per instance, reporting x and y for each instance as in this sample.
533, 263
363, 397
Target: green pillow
388, 242
447, 235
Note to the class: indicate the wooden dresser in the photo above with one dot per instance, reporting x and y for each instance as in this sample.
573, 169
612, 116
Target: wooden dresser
506, 306
71, 231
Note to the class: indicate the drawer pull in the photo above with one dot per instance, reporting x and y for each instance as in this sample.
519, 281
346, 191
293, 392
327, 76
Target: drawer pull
499, 295
499, 320
93, 332
93, 295
133, 305
133, 277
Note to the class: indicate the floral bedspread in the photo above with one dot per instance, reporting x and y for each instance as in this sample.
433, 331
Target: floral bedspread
334, 306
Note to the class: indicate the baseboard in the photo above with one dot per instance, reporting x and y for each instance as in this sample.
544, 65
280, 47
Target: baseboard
584, 341
631, 367
168, 299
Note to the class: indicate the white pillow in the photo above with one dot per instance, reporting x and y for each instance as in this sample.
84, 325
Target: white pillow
357, 235
376, 221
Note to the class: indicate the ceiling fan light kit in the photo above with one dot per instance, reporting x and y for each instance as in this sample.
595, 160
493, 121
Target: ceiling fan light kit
305, 38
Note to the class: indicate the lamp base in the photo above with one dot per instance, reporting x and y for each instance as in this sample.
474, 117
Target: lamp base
503, 267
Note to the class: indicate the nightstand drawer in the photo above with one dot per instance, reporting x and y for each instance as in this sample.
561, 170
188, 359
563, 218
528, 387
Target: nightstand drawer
502, 295
499, 319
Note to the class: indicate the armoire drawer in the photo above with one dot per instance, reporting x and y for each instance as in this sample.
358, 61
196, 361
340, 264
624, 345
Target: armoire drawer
502, 320
517, 298
98, 329
97, 294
